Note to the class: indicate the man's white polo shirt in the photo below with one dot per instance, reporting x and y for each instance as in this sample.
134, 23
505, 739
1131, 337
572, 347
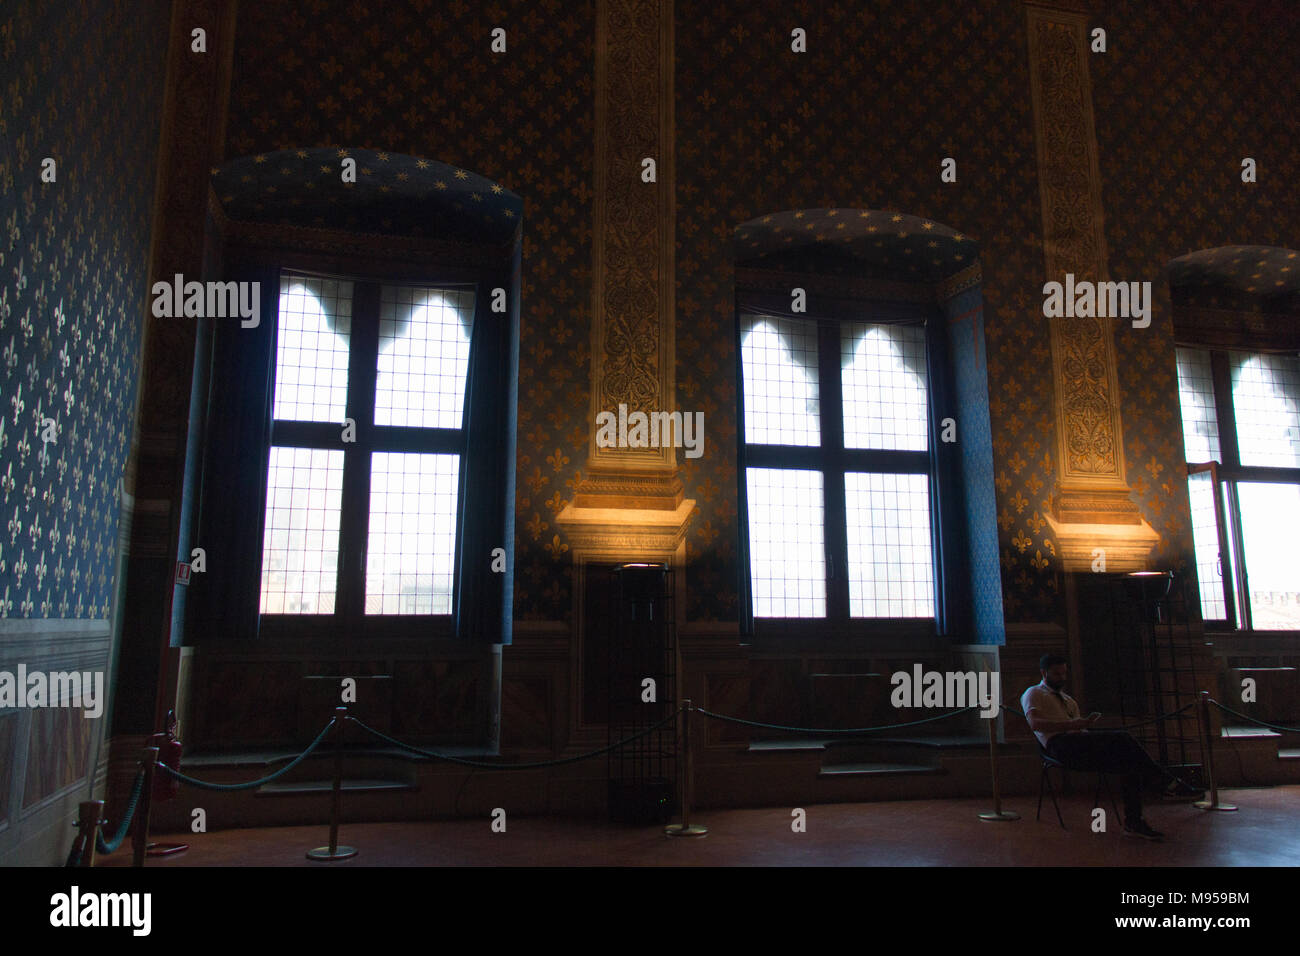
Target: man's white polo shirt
1050, 705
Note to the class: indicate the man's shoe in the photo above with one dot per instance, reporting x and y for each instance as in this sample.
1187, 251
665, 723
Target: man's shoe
1143, 830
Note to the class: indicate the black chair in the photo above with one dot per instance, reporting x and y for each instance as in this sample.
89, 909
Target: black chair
1045, 779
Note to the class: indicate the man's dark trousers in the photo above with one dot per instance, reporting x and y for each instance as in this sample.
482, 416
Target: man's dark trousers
1109, 751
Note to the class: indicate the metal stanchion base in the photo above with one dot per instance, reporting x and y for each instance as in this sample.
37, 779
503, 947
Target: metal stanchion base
1004, 816
677, 830
165, 849
323, 853
1212, 805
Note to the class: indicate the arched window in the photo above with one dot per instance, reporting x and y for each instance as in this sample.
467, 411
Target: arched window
1241, 434
1238, 361
860, 513
360, 438
406, 445
837, 437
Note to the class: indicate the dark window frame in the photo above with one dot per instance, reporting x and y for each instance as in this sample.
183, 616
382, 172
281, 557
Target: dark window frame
481, 603
354, 518
1225, 476
833, 460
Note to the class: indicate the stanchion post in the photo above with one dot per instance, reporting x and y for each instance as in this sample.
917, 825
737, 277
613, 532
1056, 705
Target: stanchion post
89, 813
334, 851
998, 814
688, 781
1207, 736
140, 836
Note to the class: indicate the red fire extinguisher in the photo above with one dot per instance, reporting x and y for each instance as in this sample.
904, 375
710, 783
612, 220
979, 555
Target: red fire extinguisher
165, 786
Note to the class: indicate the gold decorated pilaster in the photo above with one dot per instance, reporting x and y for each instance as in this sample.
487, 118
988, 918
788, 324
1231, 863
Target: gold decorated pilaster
1091, 506
632, 357
630, 504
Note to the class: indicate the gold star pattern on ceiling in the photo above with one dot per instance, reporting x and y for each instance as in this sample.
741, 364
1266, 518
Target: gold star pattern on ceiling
908, 245
414, 195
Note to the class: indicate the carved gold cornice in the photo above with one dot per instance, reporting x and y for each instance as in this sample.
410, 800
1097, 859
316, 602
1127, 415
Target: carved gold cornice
652, 492
1125, 547
625, 534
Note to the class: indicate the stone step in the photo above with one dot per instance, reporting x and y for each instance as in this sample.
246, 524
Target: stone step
866, 769
297, 788
271, 756
1248, 732
933, 741
785, 746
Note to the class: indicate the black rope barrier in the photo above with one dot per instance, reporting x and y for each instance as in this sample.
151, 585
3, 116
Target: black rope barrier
1153, 720
433, 755
206, 785
1141, 723
110, 845
104, 845
837, 730
1255, 720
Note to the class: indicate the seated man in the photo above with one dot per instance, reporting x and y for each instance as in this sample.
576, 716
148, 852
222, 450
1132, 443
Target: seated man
1054, 718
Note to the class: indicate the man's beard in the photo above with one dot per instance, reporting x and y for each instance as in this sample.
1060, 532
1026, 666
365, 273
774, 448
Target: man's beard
1054, 684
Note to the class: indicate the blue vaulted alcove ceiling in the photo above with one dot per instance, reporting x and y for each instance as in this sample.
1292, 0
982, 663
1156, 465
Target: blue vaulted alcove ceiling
394, 194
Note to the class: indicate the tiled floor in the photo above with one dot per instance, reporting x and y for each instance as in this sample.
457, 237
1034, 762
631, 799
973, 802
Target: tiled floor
1263, 832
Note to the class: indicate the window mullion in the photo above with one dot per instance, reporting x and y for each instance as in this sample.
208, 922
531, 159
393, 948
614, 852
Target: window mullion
784, 456
1227, 567
354, 521
1229, 450
887, 462
427, 440
831, 405
1240, 577
1261, 473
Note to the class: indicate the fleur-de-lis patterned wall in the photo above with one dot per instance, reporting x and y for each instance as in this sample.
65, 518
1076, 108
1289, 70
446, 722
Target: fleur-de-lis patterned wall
409, 77
82, 84
866, 121
862, 120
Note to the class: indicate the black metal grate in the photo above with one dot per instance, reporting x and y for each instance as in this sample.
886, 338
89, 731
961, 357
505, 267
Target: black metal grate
1141, 660
642, 645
